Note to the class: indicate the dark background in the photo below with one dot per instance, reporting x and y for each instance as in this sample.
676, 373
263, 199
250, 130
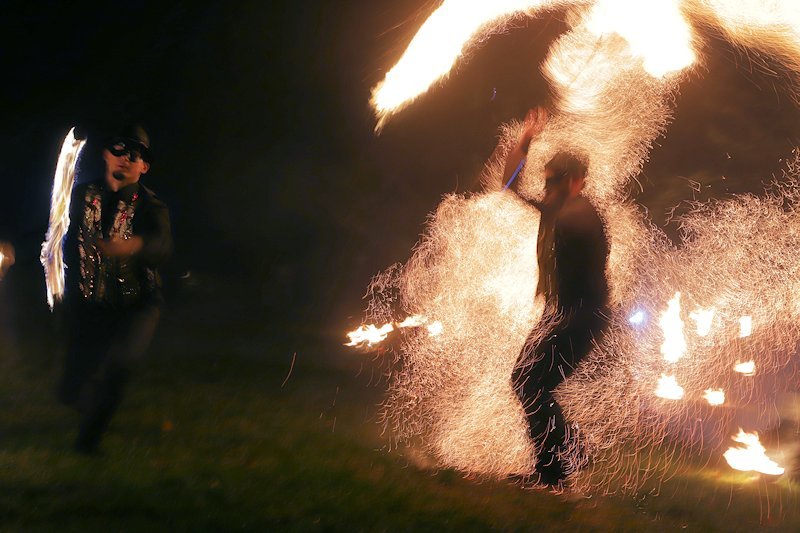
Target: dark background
284, 202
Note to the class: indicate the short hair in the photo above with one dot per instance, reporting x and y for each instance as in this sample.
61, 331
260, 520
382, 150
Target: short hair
566, 164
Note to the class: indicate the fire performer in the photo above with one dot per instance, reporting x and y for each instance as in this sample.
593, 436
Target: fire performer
572, 252
120, 234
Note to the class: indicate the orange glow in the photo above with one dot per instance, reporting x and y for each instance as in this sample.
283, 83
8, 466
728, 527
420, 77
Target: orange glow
703, 318
747, 368
714, 396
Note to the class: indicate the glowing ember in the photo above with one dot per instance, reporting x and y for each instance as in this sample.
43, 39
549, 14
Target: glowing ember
714, 396
668, 388
2, 257
751, 458
748, 368
703, 318
674, 346
745, 326
52, 257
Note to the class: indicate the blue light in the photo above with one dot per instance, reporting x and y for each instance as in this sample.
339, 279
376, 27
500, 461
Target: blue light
637, 318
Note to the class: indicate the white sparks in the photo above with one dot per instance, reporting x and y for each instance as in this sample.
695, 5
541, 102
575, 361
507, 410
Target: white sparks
435, 328
751, 458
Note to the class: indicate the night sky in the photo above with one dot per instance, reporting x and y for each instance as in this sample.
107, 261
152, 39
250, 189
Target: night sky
280, 192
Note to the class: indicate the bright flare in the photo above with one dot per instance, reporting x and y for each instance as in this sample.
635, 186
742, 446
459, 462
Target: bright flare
52, 256
748, 368
435, 328
703, 318
751, 458
656, 31
674, 346
668, 388
714, 396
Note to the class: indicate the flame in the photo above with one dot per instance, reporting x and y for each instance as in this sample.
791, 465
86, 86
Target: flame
674, 346
751, 458
714, 396
745, 326
668, 388
439, 43
2, 257
703, 318
52, 256
656, 31
748, 368
370, 335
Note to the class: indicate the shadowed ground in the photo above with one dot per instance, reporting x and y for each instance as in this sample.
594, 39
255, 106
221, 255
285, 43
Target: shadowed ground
209, 439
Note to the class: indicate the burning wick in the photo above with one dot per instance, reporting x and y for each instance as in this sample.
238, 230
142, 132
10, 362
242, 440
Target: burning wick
714, 396
748, 368
668, 388
752, 457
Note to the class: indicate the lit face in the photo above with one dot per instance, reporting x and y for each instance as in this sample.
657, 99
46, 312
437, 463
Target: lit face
124, 163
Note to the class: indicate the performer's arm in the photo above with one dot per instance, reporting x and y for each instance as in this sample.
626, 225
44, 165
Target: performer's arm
535, 122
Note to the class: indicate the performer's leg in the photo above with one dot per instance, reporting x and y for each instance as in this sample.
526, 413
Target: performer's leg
89, 336
136, 330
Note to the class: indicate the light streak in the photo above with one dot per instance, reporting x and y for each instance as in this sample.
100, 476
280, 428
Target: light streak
703, 318
668, 388
52, 256
751, 458
714, 396
747, 368
674, 346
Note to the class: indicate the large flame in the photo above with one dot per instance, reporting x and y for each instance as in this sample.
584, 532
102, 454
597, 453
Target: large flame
753, 457
52, 256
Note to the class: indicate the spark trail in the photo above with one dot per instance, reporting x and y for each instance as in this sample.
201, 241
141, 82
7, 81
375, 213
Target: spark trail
614, 77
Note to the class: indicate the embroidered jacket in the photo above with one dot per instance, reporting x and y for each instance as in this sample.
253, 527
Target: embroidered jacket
99, 213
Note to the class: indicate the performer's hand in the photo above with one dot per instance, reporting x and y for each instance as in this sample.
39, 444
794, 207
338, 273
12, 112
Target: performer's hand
535, 121
116, 247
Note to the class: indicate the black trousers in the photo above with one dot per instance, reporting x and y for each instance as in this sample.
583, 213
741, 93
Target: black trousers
542, 368
103, 348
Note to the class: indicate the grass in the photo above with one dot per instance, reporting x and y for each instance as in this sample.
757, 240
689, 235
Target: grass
213, 441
